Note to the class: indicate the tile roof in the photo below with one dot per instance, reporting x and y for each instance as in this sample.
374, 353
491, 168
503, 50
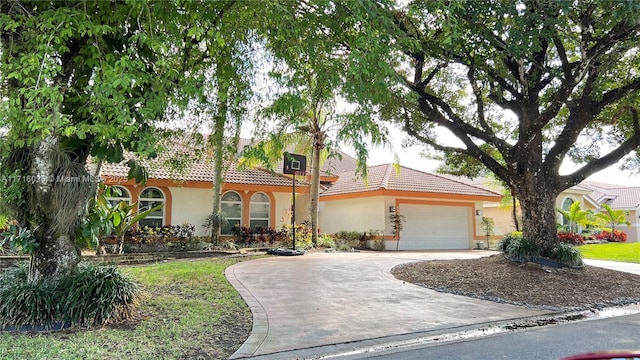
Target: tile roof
385, 177
197, 167
616, 196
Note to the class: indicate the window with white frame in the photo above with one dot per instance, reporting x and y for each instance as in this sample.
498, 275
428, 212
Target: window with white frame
259, 210
231, 206
150, 198
119, 193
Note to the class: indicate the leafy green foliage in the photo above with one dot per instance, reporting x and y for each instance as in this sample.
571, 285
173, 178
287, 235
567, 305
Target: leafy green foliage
612, 217
105, 218
326, 241
503, 245
576, 216
487, 224
24, 302
523, 249
96, 295
89, 295
566, 254
397, 222
20, 239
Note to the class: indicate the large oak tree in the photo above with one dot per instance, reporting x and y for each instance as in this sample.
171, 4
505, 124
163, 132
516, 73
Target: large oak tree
523, 86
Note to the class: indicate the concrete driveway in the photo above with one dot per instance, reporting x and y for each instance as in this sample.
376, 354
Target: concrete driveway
319, 299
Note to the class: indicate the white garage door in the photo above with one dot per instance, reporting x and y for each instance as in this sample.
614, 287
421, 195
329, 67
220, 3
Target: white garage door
430, 227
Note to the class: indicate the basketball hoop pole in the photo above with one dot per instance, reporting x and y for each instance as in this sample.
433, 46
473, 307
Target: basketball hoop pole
294, 164
293, 213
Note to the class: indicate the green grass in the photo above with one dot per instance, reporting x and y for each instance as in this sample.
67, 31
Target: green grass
627, 252
188, 310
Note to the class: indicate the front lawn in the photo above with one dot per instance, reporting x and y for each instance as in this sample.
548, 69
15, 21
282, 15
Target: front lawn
627, 252
189, 311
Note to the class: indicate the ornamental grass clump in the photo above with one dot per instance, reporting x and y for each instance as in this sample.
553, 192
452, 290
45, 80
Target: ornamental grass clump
25, 302
566, 254
89, 295
92, 295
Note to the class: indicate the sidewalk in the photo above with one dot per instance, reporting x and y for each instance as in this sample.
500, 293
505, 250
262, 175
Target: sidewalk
615, 265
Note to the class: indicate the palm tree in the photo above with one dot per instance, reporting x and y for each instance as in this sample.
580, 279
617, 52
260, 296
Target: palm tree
576, 216
307, 122
613, 217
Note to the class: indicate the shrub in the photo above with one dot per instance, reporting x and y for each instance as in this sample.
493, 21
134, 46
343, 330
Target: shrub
567, 254
89, 295
326, 241
616, 236
570, 238
522, 249
27, 303
503, 245
378, 245
96, 295
351, 237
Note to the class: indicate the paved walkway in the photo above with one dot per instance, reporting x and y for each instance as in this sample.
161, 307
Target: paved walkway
615, 265
319, 299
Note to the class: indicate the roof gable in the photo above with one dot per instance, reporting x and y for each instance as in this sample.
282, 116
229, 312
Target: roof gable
385, 177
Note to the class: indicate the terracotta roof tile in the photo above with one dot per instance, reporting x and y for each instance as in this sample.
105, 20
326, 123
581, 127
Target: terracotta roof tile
199, 169
385, 177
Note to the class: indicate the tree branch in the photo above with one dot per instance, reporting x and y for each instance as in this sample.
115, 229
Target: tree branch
629, 145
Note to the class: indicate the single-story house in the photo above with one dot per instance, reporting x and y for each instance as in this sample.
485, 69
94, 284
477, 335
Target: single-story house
440, 213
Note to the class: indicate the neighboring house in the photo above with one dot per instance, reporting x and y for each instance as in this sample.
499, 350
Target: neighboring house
440, 213
591, 196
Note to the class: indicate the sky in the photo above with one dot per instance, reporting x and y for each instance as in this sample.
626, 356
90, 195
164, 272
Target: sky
410, 157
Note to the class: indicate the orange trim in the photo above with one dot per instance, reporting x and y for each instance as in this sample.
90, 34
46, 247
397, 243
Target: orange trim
470, 205
246, 207
415, 194
168, 199
122, 181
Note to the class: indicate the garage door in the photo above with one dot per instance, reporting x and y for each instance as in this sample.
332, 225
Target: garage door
430, 227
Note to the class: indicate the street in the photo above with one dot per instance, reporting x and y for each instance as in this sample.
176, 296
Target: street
548, 342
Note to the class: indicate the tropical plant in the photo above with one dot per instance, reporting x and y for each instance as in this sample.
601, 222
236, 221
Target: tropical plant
576, 216
123, 218
613, 236
611, 218
570, 238
20, 239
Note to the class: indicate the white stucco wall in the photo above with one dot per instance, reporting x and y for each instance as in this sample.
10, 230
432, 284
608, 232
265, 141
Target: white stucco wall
633, 231
361, 214
191, 205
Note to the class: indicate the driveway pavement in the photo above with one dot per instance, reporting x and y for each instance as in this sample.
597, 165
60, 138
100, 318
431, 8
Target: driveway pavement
318, 300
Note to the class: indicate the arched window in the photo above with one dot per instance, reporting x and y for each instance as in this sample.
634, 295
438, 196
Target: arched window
150, 198
566, 206
231, 206
259, 210
119, 194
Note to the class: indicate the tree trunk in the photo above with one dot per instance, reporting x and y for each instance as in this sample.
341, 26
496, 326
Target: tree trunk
54, 211
514, 212
539, 215
314, 192
217, 143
